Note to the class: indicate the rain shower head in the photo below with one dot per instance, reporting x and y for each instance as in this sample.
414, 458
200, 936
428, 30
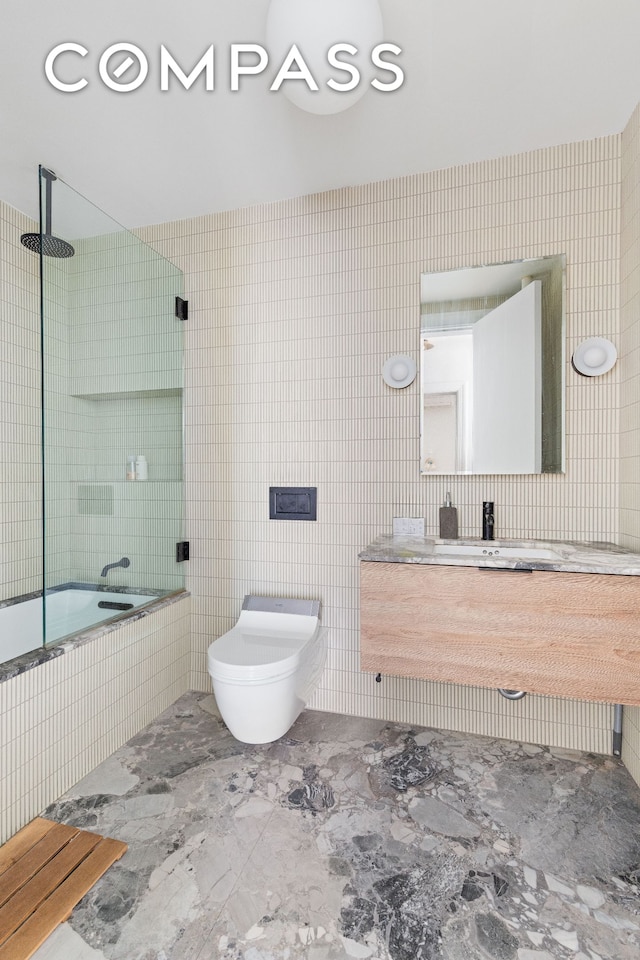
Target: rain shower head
46, 243
51, 246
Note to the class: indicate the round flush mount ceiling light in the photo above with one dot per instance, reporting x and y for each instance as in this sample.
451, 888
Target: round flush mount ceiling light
399, 371
594, 357
314, 26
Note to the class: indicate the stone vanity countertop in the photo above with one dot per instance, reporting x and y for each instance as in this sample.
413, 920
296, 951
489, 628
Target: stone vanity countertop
571, 556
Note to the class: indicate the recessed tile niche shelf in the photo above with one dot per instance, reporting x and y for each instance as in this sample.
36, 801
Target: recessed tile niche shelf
124, 423
131, 394
103, 498
130, 483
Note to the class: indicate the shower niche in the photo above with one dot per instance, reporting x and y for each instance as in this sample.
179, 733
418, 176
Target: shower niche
112, 379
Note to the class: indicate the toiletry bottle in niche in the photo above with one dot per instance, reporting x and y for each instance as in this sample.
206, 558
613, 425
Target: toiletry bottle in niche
131, 467
488, 522
448, 520
142, 468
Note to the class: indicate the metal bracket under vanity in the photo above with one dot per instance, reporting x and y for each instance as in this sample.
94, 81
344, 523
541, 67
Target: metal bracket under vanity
554, 632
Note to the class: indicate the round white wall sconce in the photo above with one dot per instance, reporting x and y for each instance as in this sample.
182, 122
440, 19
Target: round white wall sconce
399, 371
314, 26
594, 357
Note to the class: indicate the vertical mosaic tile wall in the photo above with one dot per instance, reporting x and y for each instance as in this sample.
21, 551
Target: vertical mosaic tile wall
20, 472
113, 379
124, 397
111, 517
60, 720
294, 308
629, 365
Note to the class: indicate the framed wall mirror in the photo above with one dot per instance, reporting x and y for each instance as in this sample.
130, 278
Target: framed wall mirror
492, 368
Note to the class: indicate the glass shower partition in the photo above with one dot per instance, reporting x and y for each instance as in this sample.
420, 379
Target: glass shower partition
112, 438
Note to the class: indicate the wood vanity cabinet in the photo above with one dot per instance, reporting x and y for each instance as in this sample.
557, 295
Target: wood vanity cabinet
566, 634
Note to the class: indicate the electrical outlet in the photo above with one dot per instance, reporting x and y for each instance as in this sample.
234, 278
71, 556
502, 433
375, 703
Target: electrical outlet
408, 526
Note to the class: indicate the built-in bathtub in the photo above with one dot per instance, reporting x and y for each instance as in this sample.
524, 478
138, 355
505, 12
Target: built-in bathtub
65, 706
71, 610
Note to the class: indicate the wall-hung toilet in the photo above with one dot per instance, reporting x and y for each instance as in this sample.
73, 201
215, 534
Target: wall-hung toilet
265, 669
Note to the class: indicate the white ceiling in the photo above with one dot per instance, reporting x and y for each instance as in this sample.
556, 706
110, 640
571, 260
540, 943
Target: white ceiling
484, 78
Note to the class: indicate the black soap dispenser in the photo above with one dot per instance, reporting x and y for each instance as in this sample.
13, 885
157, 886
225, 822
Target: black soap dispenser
448, 520
488, 522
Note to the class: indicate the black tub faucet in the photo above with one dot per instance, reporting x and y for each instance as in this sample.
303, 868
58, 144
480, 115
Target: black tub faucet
125, 562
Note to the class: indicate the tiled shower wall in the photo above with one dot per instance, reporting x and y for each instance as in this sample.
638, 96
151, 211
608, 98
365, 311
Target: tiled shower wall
113, 378
294, 308
629, 364
126, 387
20, 471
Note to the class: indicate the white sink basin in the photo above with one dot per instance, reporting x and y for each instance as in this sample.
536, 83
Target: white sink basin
512, 553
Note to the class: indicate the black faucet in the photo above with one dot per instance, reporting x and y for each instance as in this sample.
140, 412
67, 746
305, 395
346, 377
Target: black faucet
125, 562
488, 521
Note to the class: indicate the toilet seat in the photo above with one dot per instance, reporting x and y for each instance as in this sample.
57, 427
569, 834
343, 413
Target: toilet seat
262, 647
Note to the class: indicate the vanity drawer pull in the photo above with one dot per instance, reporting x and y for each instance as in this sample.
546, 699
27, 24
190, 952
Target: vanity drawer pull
507, 569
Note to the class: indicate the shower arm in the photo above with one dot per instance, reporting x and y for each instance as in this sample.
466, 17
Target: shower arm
43, 242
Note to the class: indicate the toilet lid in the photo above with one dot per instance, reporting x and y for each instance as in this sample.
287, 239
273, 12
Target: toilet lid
261, 646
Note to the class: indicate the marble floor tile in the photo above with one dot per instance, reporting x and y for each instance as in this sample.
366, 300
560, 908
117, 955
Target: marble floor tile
353, 838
